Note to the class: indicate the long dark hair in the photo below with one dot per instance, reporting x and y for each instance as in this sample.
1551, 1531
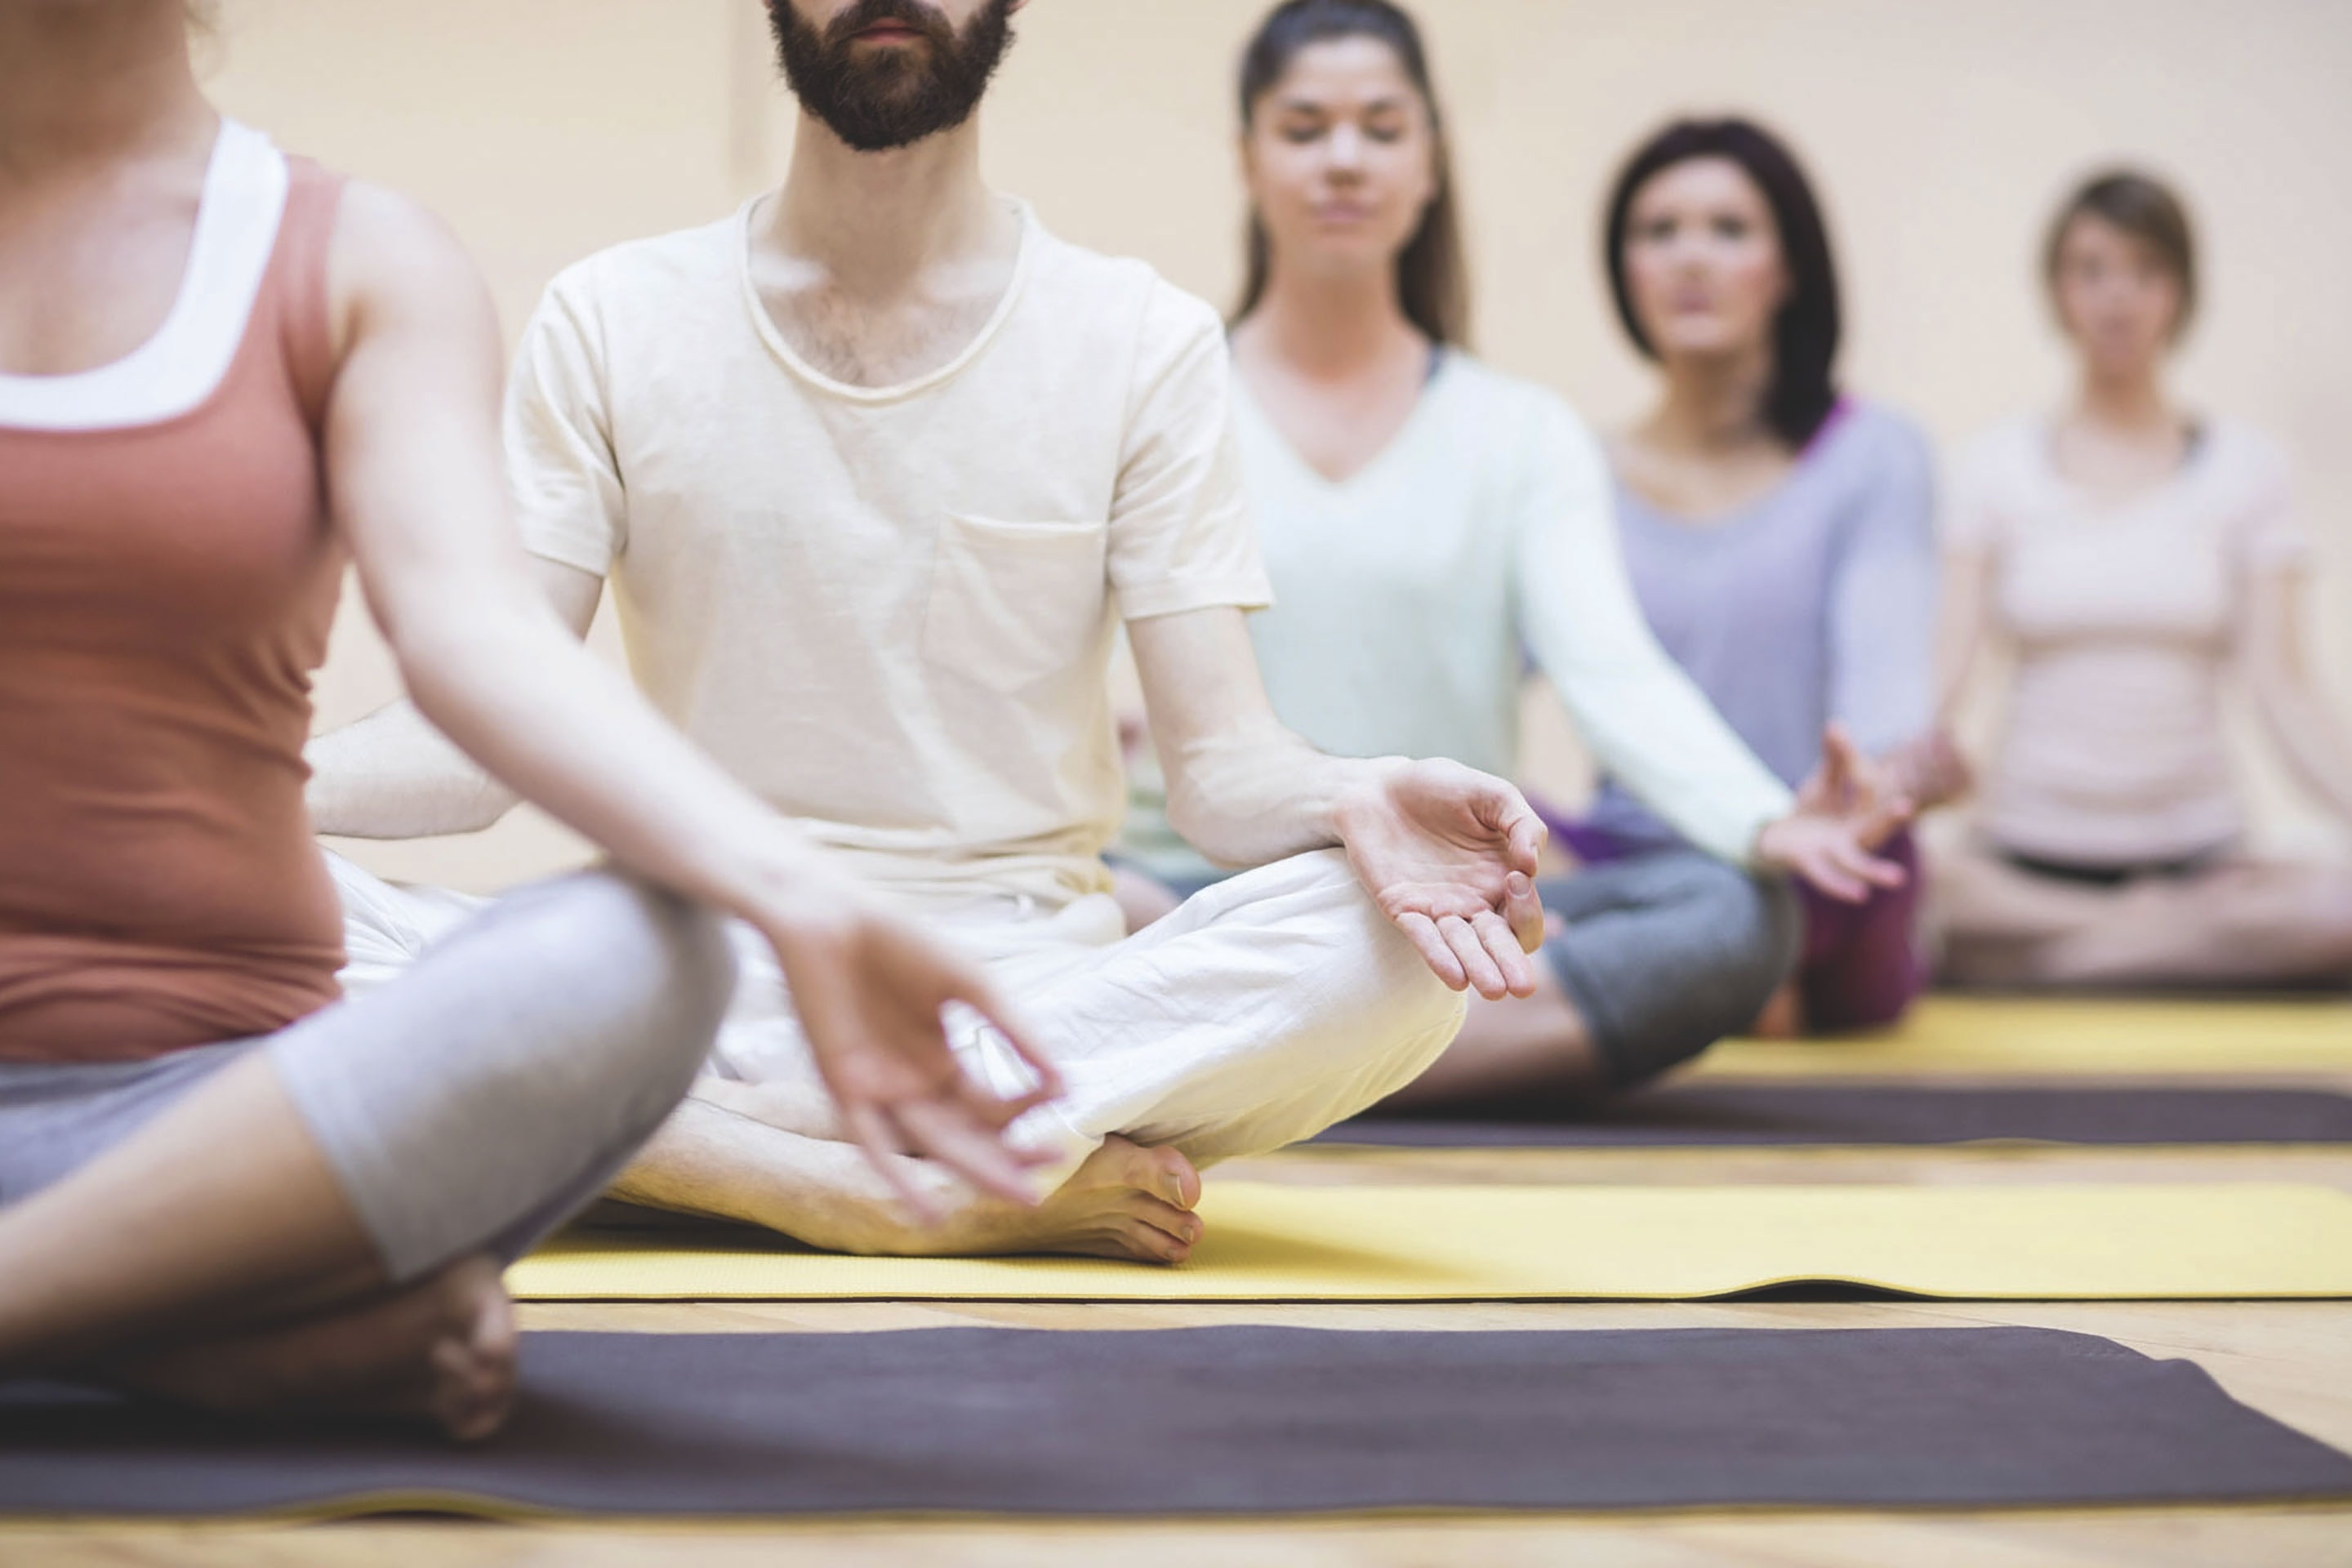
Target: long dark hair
1805, 331
1432, 282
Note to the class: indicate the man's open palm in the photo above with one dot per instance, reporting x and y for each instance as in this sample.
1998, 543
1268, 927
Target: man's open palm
1450, 854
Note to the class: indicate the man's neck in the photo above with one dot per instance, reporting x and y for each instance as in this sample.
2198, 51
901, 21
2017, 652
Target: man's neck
91, 82
873, 222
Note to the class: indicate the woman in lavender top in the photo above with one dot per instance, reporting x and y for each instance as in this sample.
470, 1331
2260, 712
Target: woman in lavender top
1780, 536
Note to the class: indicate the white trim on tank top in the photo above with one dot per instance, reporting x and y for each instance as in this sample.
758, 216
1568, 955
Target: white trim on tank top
173, 372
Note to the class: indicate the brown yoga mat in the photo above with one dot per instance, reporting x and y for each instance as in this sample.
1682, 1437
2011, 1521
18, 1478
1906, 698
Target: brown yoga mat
1225, 1420
1763, 1114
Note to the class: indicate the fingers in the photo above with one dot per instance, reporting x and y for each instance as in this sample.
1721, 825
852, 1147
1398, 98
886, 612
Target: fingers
1421, 932
950, 1133
871, 1132
1527, 834
1848, 873
1823, 873
1523, 909
982, 998
1870, 869
1502, 948
1470, 948
1839, 762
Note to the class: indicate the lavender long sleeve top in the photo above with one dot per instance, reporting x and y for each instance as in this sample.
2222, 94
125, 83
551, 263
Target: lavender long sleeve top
1816, 602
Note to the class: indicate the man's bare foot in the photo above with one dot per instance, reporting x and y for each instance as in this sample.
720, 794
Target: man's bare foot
442, 1350
1125, 1201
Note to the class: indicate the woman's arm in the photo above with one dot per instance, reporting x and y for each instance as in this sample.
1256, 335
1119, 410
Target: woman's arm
1963, 624
2306, 727
1881, 624
1647, 724
414, 478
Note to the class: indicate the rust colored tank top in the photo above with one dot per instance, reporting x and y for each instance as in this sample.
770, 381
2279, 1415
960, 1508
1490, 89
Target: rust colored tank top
166, 588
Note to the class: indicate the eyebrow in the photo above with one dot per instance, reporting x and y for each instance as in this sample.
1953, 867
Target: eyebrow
1314, 106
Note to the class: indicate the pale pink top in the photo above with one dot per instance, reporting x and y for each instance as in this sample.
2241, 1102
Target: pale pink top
2124, 618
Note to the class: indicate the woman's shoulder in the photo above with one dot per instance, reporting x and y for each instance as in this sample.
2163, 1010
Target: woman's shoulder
2008, 453
1528, 414
2250, 453
1875, 436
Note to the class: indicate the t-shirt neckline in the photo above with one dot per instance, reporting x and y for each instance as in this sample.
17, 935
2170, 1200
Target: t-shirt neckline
2186, 478
1433, 387
848, 391
1772, 497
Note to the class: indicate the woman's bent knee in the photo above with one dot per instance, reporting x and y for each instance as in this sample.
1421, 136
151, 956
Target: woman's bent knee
676, 953
1694, 958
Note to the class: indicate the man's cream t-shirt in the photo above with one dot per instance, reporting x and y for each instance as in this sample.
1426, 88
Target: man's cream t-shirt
891, 610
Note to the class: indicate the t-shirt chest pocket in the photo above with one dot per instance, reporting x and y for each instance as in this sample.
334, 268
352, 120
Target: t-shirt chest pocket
1013, 604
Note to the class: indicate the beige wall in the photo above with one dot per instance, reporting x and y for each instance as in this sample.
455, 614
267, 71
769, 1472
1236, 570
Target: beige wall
1940, 133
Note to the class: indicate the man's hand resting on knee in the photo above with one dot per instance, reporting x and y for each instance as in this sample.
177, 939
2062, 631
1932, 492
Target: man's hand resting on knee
1449, 855
1447, 851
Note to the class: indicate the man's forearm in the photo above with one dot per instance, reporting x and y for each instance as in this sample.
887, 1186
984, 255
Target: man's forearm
393, 775
1248, 800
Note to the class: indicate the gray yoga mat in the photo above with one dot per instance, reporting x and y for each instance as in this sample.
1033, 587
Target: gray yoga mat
1221, 1420
1799, 1113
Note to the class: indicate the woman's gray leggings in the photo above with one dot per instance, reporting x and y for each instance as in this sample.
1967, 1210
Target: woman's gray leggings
471, 1106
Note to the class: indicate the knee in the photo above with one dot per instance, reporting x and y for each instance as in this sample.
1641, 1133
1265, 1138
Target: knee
1369, 970
1759, 931
667, 958
1752, 931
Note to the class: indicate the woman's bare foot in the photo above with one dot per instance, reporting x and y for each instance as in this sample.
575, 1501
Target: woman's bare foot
441, 1351
1125, 1201
1783, 1018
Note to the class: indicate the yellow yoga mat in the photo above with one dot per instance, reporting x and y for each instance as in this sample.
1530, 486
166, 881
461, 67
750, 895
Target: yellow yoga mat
1269, 1242
2008, 1036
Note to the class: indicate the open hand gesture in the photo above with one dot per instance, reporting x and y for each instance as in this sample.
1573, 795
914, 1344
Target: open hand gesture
869, 988
1849, 807
1450, 854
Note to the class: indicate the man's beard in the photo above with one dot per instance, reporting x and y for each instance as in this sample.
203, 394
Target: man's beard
877, 98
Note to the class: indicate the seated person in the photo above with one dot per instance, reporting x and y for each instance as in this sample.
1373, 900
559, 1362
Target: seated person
218, 1181
1426, 517
2130, 553
874, 465
1780, 536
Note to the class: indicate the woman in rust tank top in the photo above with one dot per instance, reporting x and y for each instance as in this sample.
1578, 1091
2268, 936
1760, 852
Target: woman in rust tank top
224, 375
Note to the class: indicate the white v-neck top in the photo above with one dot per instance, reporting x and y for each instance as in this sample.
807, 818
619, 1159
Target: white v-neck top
1409, 595
244, 197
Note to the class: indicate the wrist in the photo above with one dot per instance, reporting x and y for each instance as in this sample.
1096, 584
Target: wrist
1362, 792
791, 882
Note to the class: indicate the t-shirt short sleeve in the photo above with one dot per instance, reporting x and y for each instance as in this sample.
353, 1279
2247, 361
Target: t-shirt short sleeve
1180, 535
1971, 521
560, 472
2268, 532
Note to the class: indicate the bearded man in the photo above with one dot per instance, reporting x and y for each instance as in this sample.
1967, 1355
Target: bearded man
877, 466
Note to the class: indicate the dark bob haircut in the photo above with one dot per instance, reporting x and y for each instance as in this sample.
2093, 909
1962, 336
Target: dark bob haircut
1432, 282
2144, 207
1805, 333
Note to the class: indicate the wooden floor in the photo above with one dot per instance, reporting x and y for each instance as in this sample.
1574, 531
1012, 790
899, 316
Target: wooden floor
2293, 1360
